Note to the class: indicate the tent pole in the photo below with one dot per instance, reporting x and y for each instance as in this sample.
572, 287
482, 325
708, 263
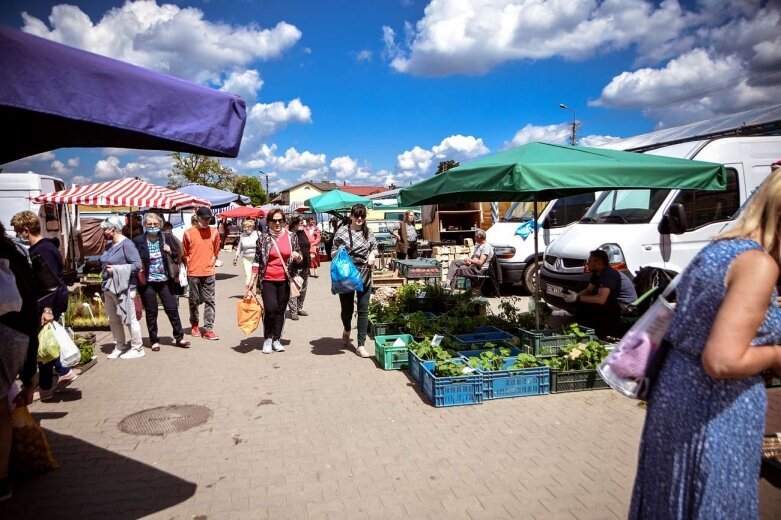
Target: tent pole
536, 256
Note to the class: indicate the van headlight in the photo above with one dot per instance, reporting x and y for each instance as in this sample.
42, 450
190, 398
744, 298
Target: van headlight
504, 252
615, 256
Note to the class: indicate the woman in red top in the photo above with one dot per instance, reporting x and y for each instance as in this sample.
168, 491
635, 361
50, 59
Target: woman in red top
314, 245
277, 250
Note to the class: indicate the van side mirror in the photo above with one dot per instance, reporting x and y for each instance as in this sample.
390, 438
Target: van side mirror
674, 221
545, 223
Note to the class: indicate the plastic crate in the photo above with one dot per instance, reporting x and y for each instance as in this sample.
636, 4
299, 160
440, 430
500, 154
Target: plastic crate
388, 356
414, 364
419, 269
383, 329
499, 384
576, 381
485, 334
480, 346
451, 391
547, 342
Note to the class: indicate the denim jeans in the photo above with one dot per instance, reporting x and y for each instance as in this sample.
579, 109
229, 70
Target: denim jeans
348, 306
149, 295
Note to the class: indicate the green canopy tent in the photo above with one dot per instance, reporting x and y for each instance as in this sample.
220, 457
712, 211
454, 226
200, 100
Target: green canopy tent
336, 200
540, 171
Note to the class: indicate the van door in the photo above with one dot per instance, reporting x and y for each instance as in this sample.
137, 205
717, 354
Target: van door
707, 213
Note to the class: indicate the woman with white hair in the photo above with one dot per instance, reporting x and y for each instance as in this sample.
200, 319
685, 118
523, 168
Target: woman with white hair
121, 264
160, 255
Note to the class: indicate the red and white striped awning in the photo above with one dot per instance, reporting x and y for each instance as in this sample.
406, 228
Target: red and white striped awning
122, 192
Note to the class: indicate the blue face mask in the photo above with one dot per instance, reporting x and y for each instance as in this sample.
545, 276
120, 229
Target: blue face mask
152, 231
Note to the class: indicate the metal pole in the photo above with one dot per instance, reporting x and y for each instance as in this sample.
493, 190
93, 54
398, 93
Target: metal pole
536, 256
572, 137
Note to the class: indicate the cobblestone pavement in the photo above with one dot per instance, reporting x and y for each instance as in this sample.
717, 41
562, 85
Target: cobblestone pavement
317, 432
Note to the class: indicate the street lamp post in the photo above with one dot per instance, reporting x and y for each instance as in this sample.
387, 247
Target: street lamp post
574, 123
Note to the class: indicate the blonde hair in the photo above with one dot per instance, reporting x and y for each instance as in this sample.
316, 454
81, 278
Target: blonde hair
761, 218
249, 223
26, 219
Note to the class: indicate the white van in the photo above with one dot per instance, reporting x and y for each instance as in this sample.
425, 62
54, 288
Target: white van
57, 220
513, 236
657, 227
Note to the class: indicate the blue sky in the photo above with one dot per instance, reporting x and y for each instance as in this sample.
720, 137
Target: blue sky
380, 91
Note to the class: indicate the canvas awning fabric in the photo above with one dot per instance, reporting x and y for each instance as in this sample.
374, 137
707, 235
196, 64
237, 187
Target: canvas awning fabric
336, 200
54, 96
546, 171
122, 192
217, 198
242, 212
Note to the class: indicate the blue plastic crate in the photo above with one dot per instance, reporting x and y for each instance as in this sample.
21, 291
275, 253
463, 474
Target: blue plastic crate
414, 363
483, 334
514, 351
451, 391
499, 384
481, 345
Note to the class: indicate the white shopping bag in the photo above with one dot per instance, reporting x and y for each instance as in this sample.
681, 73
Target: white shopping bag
69, 352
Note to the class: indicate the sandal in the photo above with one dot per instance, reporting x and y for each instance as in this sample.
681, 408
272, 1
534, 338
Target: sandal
156, 347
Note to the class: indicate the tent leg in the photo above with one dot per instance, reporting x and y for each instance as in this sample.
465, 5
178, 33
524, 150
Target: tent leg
536, 255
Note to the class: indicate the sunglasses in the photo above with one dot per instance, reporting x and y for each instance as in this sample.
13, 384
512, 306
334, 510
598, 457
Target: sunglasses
360, 217
277, 220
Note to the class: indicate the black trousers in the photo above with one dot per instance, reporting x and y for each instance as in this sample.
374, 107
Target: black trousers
149, 294
411, 254
604, 319
275, 297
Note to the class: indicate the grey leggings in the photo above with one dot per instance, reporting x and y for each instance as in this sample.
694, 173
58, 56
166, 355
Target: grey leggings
348, 306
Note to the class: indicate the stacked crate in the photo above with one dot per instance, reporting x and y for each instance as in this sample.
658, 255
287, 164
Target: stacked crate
446, 254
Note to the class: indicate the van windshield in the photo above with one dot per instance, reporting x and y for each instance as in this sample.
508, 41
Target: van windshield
519, 212
625, 207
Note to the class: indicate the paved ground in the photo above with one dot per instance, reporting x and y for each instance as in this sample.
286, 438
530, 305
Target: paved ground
317, 432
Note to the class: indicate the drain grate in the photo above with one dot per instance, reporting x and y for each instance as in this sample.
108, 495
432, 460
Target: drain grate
165, 419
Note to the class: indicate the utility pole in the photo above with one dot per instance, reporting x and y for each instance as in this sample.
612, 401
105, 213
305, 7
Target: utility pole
266, 175
573, 135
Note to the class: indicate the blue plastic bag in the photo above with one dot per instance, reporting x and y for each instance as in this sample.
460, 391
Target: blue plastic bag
345, 277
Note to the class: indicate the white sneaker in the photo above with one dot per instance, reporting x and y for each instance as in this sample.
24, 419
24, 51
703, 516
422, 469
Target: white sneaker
277, 346
267, 346
133, 353
115, 353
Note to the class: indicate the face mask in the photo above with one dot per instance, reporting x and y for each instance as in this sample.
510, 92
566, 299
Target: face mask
22, 240
152, 231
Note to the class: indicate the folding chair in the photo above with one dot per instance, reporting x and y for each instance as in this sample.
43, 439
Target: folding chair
493, 273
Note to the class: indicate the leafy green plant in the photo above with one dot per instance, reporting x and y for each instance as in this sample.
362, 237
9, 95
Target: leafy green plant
573, 329
525, 361
428, 352
86, 346
416, 323
578, 356
85, 312
450, 369
381, 313
490, 360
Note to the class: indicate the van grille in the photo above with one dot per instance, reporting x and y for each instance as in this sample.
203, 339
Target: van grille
572, 262
551, 260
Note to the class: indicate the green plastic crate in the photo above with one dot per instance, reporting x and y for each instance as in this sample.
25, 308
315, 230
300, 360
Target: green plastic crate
388, 356
547, 342
576, 381
383, 329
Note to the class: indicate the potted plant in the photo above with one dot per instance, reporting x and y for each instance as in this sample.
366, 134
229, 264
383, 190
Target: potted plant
574, 368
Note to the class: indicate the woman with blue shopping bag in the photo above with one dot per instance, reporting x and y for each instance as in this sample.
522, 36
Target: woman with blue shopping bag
357, 243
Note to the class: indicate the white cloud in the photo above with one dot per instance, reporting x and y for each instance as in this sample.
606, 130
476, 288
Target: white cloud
153, 168
264, 119
472, 37
73, 162
415, 162
59, 168
345, 167
597, 140
80, 180
556, 134
364, 55
292, 160
165, 37
246, 84
460, 147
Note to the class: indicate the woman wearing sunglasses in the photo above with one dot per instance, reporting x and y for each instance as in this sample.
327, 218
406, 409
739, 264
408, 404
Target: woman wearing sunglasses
362, 248
275, 256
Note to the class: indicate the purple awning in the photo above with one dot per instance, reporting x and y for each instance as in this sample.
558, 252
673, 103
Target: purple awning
54, 96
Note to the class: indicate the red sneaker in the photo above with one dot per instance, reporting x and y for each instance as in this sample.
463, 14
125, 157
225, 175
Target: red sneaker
195, 331
210, 334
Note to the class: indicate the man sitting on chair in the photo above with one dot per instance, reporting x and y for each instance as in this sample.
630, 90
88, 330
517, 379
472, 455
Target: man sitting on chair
475, 265
601, 304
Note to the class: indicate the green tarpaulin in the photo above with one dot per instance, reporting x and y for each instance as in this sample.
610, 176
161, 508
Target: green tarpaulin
335, 200
546, 171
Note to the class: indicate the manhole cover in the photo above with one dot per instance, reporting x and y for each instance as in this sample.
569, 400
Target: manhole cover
165, 419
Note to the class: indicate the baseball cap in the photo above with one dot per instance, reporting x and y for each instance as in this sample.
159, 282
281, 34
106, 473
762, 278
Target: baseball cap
203, 212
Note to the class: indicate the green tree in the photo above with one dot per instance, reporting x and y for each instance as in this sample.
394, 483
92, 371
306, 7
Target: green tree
251, 187
200, 169
445, 166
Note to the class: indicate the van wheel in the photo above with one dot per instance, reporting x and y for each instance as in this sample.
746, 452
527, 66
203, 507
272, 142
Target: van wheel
530, 275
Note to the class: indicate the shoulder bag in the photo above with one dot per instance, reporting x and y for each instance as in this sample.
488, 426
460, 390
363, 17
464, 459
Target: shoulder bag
632, 368
295, 282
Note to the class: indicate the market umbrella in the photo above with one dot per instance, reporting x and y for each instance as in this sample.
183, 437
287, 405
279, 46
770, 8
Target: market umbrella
243, 212
122, 192
54, 96
540, 171
336, 200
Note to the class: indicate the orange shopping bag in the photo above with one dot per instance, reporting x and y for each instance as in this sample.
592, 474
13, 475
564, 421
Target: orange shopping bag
249, 312
30, 453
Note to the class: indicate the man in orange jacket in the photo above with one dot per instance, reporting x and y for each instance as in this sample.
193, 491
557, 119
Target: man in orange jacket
201, 245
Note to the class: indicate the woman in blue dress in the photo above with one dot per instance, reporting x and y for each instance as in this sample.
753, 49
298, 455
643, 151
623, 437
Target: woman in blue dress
700, 454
